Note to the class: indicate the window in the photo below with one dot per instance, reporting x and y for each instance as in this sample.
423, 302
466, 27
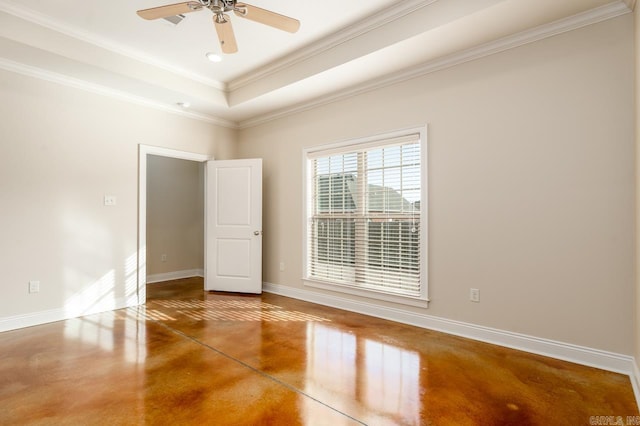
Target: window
365, 221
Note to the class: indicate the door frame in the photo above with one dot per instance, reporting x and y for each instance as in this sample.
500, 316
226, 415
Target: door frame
143, 152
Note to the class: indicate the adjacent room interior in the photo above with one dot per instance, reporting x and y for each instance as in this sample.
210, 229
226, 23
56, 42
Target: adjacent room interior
527, 119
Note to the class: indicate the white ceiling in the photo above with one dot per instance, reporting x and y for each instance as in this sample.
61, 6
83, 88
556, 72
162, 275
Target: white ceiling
342, 47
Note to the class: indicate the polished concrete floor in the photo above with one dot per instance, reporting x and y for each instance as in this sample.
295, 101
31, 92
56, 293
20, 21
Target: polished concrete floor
191, 357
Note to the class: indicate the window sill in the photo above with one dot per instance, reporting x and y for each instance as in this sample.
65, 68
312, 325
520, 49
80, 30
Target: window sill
368, 293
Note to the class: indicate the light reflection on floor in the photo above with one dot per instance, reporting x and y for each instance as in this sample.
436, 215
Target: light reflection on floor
392, 382
192, 357
216, 304
229, 310
384, 380
156, 315
114, 332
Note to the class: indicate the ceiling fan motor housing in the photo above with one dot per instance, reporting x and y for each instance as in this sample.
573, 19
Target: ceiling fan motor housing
219, 6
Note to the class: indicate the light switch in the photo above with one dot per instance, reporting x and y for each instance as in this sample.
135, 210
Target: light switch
109, 200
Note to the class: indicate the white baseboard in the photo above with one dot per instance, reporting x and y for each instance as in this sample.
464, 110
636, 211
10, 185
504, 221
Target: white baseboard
60, 314
565, 351
175, 275
635, 381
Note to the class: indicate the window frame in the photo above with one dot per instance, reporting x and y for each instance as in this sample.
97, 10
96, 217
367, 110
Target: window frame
360, 144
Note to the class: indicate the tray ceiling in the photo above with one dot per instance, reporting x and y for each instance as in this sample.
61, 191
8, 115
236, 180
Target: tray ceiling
341, 48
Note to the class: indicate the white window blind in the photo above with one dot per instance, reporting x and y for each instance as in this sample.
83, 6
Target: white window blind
364, 215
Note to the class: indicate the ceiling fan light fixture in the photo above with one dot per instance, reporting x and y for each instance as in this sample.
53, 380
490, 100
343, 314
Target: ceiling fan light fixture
213, 57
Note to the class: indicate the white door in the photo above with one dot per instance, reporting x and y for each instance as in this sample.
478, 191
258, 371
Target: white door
233, 226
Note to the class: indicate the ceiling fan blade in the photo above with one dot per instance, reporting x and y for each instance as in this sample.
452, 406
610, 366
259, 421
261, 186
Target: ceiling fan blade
225, 34
267, 17
169, 10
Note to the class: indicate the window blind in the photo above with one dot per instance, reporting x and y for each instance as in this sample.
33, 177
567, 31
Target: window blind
364, 221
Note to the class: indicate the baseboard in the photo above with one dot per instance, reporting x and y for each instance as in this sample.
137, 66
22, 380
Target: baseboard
565, 351
635, 381
175, 275
61, 314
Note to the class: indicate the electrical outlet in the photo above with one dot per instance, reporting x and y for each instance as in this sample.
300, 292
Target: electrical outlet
163, 258
281, 266
34, 286
109, 200
474, 295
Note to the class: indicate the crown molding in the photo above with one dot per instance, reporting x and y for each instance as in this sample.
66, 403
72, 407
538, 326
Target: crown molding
351, 32
47, 22
603, 13
76, 83
609, 11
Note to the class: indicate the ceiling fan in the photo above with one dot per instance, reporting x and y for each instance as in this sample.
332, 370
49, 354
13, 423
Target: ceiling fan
221, 18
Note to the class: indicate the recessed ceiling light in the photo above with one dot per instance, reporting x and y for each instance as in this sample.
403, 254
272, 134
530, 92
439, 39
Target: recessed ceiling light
213, 57
183, 104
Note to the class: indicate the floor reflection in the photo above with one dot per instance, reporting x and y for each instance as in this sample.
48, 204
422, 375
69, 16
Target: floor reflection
204, 358
117, 332
95, 330
230, 310
391, 386
331, 361
383, 379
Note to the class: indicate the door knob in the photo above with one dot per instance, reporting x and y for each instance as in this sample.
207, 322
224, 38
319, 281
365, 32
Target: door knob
256, 232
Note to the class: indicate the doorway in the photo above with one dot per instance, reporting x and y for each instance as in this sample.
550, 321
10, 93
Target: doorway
175, 219
144, 152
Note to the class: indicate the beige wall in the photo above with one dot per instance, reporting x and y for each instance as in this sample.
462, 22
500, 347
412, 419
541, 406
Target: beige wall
61, 151
530, 177
175, 215
531, 184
